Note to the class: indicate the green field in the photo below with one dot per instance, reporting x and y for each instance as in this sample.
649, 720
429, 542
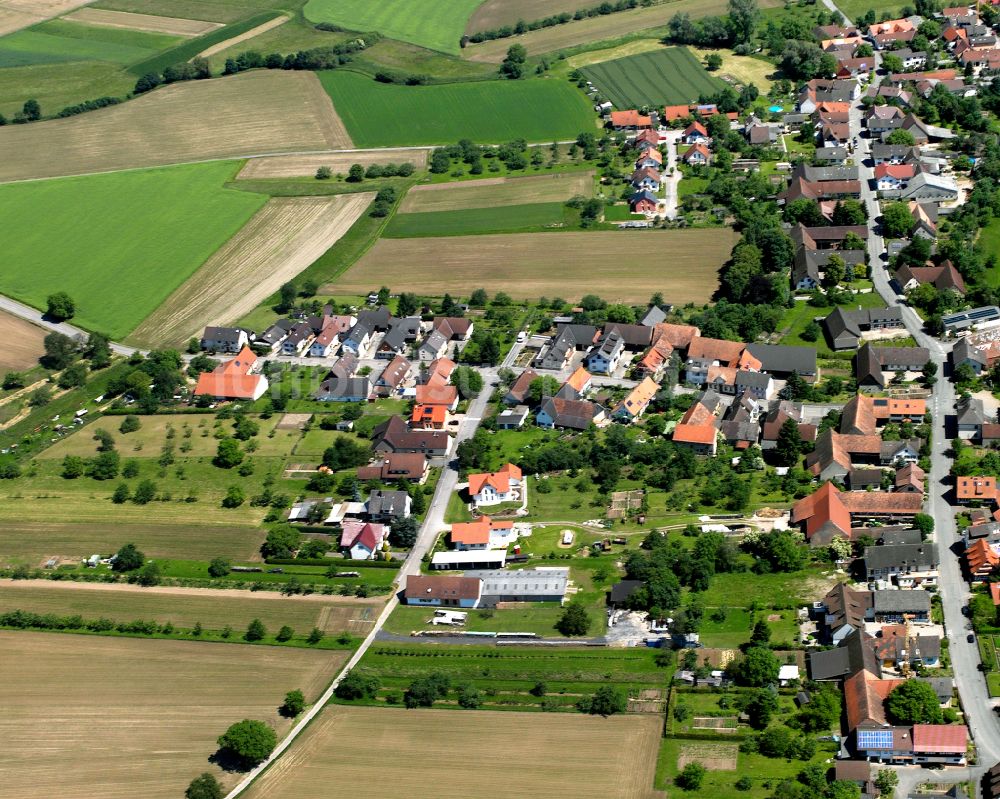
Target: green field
470, 221
58, 41
989, 242
430, 23
119, 243
384, 115
672, 76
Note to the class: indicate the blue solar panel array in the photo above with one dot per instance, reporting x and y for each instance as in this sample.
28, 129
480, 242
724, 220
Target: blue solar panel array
874, 739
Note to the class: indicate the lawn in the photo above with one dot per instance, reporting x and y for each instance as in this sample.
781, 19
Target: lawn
766, 590
852, 9
384, 115
58, 41
429, 23
137, 717
528, 755
671, 76
539, 617
145, 233
472, 221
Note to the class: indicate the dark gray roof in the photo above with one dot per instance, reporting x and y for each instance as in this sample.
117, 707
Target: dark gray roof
854, 654
783, 359
897, 535
621, 591
943, 686
964, 351
387, 503
653, 316
902, 601
902, 556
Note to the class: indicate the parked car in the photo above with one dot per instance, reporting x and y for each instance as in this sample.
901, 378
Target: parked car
971, 638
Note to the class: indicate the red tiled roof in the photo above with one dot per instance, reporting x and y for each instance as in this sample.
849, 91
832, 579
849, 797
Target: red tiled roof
471, 533
898, 171
984, 488
695, 433
821, 507
629, 119
940, 738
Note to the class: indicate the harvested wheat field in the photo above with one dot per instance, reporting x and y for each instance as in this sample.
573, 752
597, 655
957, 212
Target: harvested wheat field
87, 716
175, 26
185, 607
227, 43
497, 13
17, 14
262, 111
620, 266
22, 343
492, 192
300, 166
418, 754
281, 240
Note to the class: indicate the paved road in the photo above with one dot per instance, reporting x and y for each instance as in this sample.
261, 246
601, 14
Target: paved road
673, 174
954, 592
28, 313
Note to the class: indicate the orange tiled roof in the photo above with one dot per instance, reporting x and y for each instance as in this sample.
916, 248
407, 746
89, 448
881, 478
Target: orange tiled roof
471, 533
695, 433
233, 379
984, 488
579, 379
500, 480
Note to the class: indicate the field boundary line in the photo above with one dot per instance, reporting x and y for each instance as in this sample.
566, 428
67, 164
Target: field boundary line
227, 43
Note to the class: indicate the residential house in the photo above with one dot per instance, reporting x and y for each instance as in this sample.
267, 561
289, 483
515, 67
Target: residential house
646, 179
298, 339
703, 353
826, 238
698, 428
880, 119
902, 563
810, 265
894, 153
275, 334
828, 512
872, 363
409, 466
362, 540
492, 488
963, 352
978, 490
981, 559
910, 478
649, 157
643, 202
845, 329
359, 339
429, 417
393, 436
697, 155
519, 392
325, 343
344, 389
944, 277
890, 177
897, 648
513, 418
433, 347
456, 328
655, 315
391, 380
235, 379
224, 339
629, 120
389, 506
607, 354
396, 341
940, 743
557, 412
569, 339
576, 385
898, 607
442, 591
469, 559
436, 390
636, 401
482, 534
695, 133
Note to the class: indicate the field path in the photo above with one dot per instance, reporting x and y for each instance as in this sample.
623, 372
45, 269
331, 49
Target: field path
17, 14
220, 46
169, 590
260, 112
281, 240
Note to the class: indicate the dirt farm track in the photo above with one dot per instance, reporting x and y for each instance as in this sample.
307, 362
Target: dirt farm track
619, 266
440, 754
90, 717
